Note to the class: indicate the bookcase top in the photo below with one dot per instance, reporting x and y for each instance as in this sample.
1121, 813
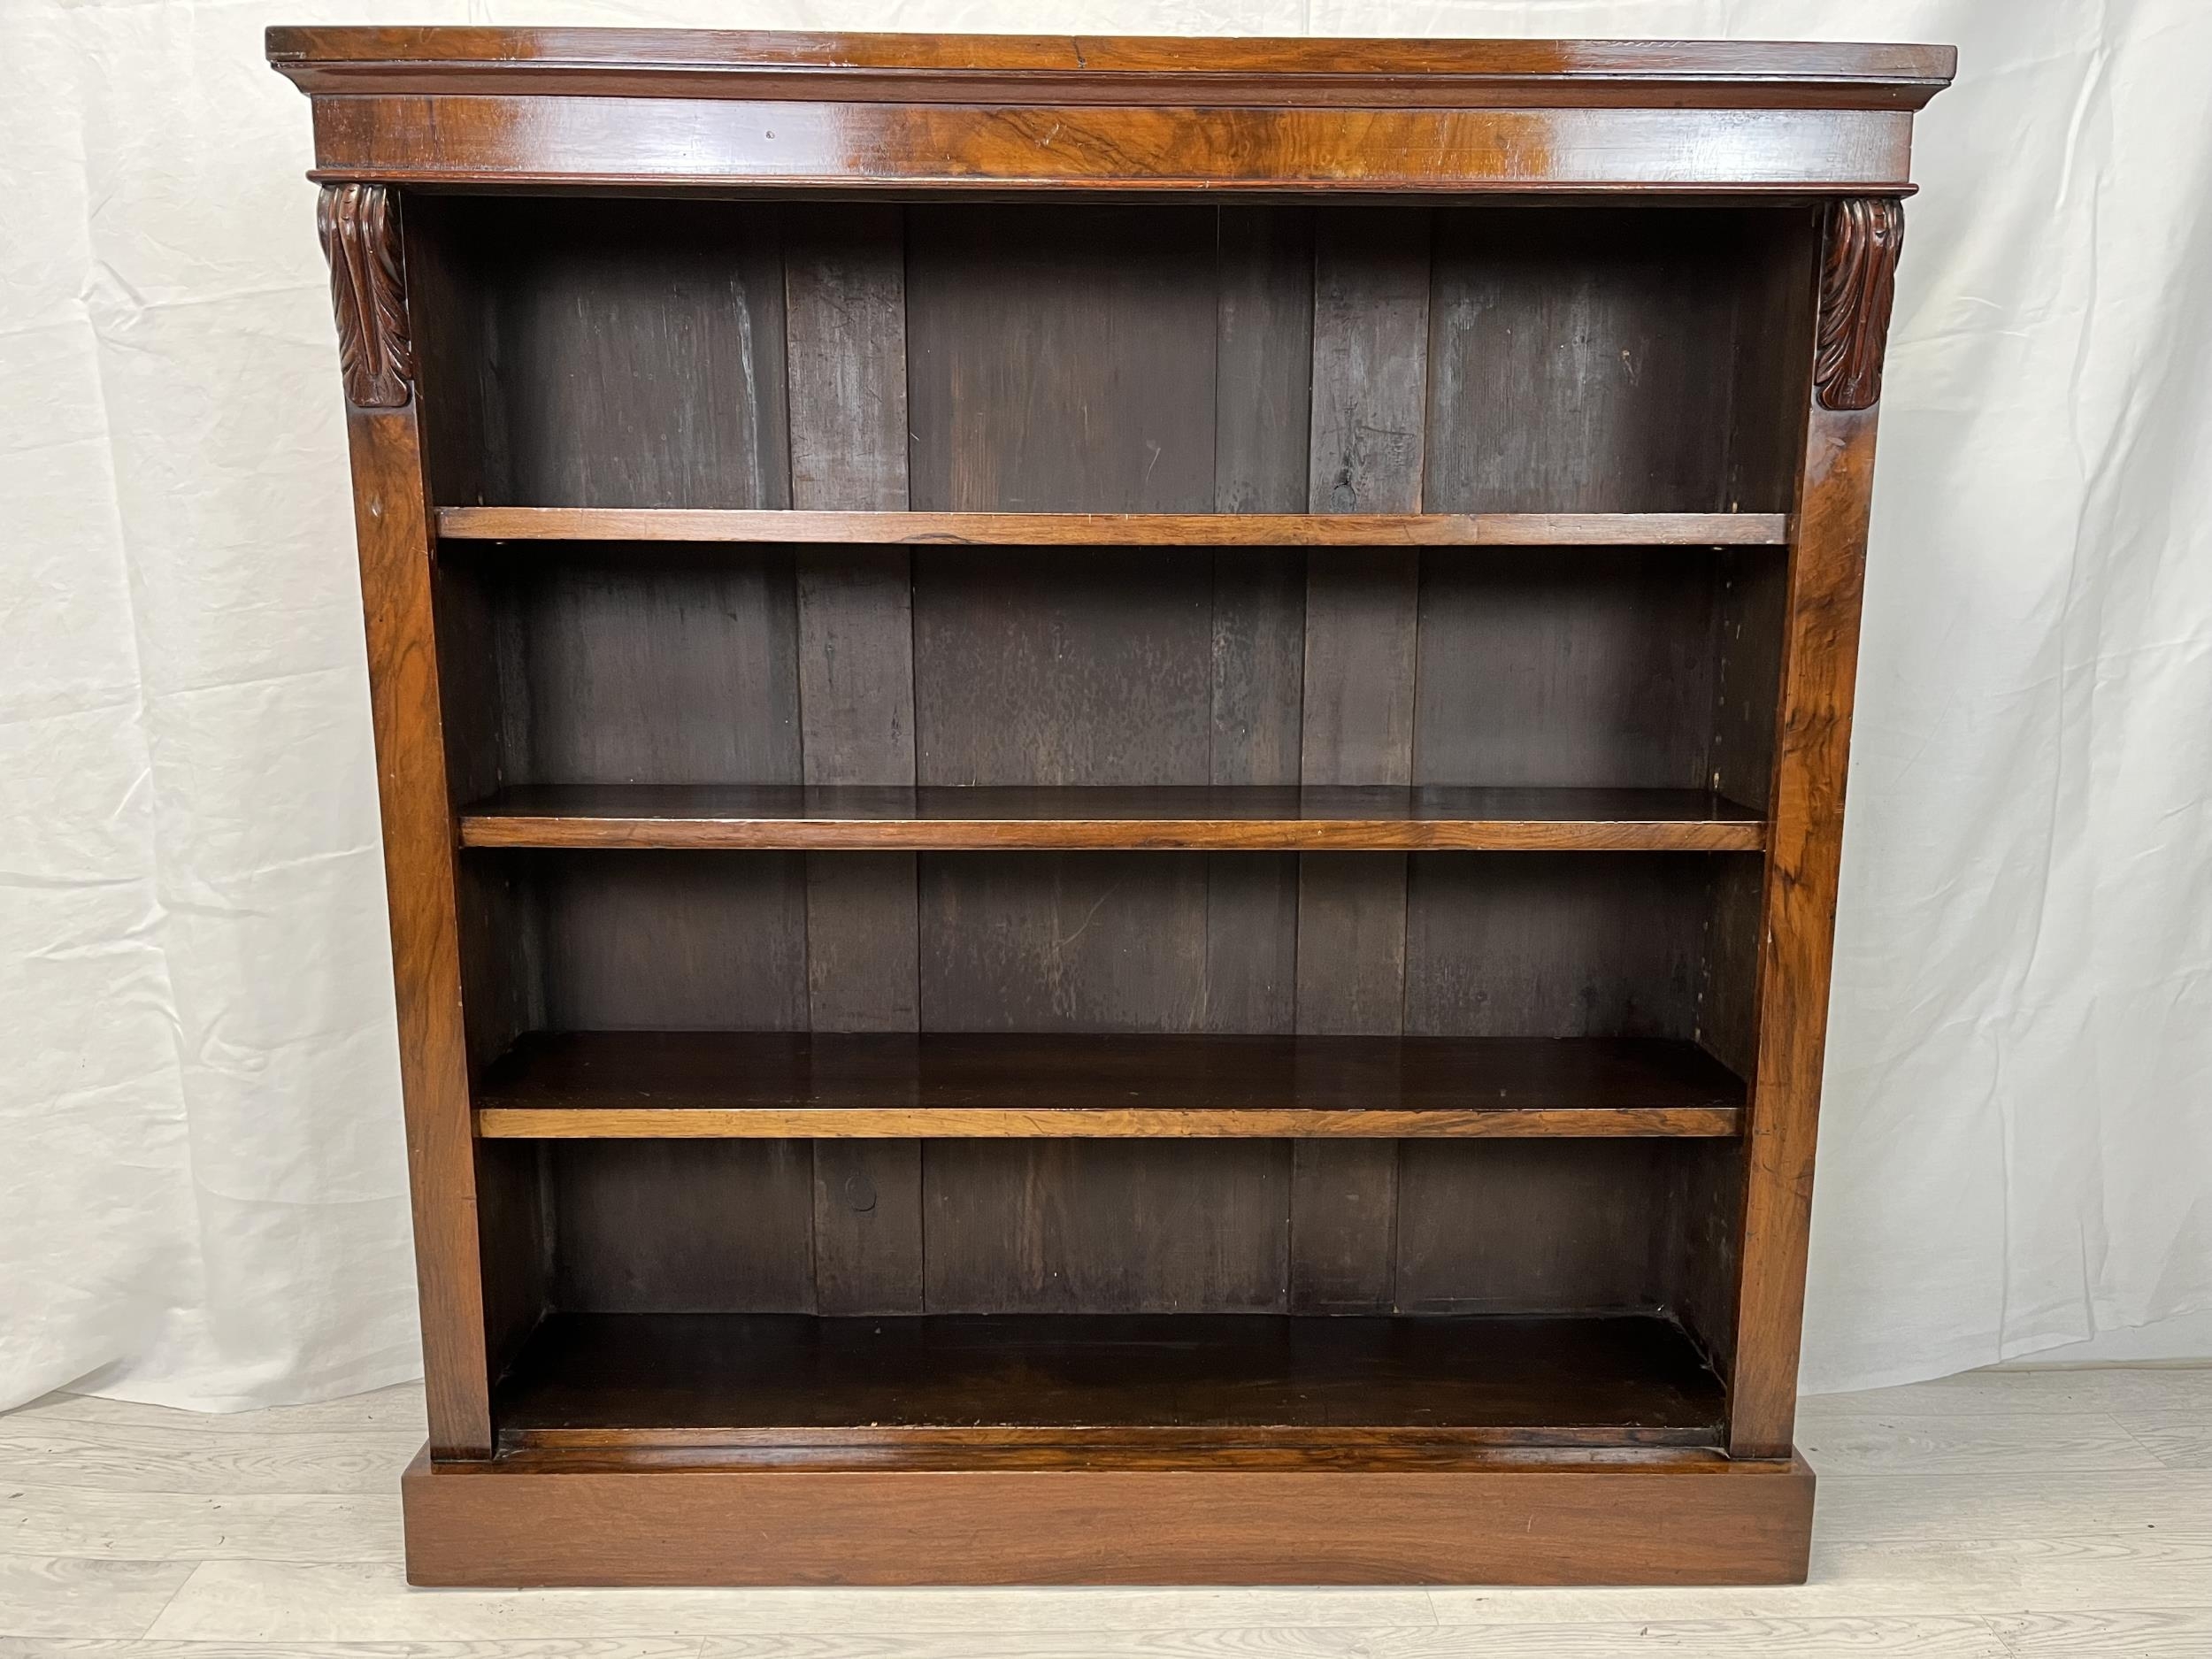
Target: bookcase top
1075, 69
741, 111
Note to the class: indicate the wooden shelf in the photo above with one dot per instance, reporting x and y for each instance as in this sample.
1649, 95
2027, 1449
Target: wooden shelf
1169, 818
1116, 529
987, 1390
747, 1084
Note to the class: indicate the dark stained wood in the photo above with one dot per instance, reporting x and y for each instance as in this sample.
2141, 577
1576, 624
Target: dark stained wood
1371, 322
861, 956
1513, 1228
1241, 1380
1073, 1225
1858, 276
1728, 979
867, 1225
863, 975
1045, 378
568, 142
1820, 660
845, 304
587, 1085
1351, 943
1553, 945
660, 939
844, 286
358, 224
659, 1226
1173, 817
1215, 72
1566, 670
1075, 942
391, 527
1093, 675
1370, 368
1131, 1127
591, 317
1232, 526
1698, 1221
1344, 1223
1262, 405
1655, 1516
682, 672
1584, 360
1262, 408
1748, 629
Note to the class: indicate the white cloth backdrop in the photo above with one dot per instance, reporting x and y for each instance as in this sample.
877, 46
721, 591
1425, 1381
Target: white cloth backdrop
201, 1190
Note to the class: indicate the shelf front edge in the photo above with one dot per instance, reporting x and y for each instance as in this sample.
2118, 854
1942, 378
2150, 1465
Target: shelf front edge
795, 526
515, 831
707, 1123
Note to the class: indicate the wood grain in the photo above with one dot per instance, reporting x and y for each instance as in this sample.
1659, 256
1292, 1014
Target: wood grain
602, 1084
1190, 818
1262, 409
663, 1227
845, 307
555, 139
1585, 359
1125, 69
392, 529
1827, 576
1655, 1522
1230, 528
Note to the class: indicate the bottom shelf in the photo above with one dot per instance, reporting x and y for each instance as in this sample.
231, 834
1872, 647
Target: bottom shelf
991, 1390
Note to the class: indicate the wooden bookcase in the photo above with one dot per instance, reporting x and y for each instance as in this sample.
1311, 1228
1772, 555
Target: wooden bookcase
1111, 775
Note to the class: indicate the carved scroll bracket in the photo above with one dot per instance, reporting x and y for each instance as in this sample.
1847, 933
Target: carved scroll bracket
360, 226
1858, 282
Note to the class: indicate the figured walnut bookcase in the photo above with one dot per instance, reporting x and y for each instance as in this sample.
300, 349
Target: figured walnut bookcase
1111, 775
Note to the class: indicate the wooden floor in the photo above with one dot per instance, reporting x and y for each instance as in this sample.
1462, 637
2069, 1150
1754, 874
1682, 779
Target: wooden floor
2021, 1515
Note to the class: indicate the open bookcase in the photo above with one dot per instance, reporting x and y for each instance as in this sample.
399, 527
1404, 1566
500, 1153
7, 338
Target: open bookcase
1112, 778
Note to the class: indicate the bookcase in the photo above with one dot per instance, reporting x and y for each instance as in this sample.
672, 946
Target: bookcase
1111, 773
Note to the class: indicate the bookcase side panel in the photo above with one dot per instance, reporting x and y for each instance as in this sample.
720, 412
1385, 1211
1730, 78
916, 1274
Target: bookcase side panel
1861, 242
361, 231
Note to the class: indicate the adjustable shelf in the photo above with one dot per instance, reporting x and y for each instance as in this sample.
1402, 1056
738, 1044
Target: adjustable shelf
745, 1085
1114, 529
1247, 818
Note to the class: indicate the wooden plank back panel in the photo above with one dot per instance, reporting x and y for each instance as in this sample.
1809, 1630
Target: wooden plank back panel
1066, 361
1511, 1229
1061, 359
673, 940
1262, 411
647, 1226
660, 665
1557, 944
1063, 942
1367, 437
1131, 1227
598, 312
1584, 360
845, 308
1584, 669
1037, 361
